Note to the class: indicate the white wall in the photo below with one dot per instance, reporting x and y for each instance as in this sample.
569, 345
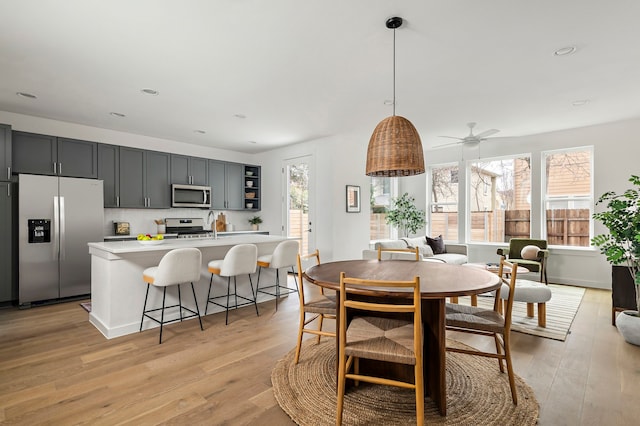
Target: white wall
341, 160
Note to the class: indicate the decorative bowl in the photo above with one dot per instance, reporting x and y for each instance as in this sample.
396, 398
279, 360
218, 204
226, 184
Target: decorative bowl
249, 173
151, 242
249, 183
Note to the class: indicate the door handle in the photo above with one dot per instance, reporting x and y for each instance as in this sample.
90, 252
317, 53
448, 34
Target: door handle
56, 226
62, 229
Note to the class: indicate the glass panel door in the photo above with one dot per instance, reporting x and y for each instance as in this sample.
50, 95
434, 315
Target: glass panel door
299, 215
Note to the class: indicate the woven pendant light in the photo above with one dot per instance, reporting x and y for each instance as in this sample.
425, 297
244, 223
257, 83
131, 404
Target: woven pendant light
395, 148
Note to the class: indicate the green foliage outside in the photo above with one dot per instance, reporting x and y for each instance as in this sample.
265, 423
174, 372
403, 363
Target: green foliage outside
405, 216
622, 219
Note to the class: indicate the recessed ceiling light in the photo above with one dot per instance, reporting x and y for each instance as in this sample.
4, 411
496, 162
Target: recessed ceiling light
580, 102
388, 102
26, 95
117, 114
151, 92
253, 142
565, 51
241, 116
201, 132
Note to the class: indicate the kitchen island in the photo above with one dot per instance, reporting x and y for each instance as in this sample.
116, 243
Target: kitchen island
117, 289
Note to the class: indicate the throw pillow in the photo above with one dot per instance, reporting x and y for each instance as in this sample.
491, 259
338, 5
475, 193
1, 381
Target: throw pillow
421, 243
436, 244
530, 252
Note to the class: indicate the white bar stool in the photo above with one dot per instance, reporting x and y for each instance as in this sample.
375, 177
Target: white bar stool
239, 260
176, 267
284, 256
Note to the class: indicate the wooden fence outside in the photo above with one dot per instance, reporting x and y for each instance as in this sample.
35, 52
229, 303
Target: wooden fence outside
567, 227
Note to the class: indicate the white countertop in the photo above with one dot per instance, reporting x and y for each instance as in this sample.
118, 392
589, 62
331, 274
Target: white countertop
120, 247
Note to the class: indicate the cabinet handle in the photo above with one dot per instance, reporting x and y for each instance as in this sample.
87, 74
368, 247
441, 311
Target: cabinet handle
59, 168
8, 173
117, 201
54, 168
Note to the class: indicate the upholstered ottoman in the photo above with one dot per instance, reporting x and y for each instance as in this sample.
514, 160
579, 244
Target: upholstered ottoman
530, 292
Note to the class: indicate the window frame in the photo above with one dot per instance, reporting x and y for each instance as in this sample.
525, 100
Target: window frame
546, 198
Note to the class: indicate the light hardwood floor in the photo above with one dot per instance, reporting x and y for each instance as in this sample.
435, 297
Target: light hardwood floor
56, 368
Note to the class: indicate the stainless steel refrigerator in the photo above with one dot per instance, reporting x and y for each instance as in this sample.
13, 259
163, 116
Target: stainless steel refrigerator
57, 217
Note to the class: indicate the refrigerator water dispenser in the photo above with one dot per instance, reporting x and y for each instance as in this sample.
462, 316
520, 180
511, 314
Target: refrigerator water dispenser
39, 230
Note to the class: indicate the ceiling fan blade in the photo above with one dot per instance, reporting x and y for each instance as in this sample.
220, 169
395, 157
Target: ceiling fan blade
487, 133
448, 144
451, 137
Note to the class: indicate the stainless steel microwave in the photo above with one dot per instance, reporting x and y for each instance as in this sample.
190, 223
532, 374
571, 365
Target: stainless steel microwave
190, 196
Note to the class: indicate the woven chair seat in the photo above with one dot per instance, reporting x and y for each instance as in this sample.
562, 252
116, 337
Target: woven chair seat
473, 317
381, 339
322, 305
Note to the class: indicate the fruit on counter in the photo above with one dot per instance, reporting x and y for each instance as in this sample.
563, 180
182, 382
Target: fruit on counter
148, 237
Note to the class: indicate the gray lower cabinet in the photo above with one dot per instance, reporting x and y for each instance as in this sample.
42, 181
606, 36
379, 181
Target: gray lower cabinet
49, 155
109, 173
189, 170
227, 185
5, 152
7, 242
144, 178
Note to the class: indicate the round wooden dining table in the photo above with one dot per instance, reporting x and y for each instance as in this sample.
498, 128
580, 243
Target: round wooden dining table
437, 282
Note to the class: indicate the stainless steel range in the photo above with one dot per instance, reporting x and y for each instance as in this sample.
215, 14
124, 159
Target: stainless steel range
187, 228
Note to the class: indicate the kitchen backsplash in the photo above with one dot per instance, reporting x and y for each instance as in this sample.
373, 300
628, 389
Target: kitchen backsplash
141, 221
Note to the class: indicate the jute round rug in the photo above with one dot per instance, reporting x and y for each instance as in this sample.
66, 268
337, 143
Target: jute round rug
477, 393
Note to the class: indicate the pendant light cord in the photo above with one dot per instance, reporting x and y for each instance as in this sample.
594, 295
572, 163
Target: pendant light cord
394, 71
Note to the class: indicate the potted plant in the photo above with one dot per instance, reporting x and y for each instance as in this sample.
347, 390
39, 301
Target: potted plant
622, 246
405, 216
255, 221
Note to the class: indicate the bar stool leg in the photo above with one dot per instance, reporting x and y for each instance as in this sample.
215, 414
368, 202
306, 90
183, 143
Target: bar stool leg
196, 302
258, 282
206, 308
144, 309
254, 298
226, 318
179, 303
277, 287
164, 295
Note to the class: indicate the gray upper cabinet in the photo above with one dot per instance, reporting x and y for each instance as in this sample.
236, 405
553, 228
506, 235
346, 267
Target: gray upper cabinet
189, 170
5, 152
77, 158
144, 178
49, 155
158, 179
109, 173
227, 184
132, 193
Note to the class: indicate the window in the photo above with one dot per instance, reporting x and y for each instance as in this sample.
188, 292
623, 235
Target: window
498, 199
443, 207
568, 196
383, 189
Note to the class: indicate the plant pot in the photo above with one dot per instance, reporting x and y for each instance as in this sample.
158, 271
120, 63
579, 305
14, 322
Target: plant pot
628, 323
254, 226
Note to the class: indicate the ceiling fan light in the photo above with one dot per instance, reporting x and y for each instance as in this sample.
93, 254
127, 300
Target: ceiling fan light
395, 149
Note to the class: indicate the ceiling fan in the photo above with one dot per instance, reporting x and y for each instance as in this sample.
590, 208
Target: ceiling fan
471, 139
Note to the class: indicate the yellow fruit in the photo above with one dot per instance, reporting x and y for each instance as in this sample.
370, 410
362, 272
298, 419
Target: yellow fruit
140, 236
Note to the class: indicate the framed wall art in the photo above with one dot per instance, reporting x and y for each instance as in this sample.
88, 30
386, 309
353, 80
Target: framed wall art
353, 199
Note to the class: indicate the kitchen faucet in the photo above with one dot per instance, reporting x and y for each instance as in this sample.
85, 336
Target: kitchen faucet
211, 219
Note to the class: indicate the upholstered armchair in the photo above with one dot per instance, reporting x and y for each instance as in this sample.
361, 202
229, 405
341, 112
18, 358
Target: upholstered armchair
534, 260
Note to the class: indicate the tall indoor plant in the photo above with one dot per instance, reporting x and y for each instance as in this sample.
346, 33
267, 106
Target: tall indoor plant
621, 245
405, 216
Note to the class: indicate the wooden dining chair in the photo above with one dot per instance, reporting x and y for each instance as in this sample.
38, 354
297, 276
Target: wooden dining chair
488, 322
319, 308
415, 250
379, 338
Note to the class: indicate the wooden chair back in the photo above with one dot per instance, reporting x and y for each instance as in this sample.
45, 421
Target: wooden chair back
415, 250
